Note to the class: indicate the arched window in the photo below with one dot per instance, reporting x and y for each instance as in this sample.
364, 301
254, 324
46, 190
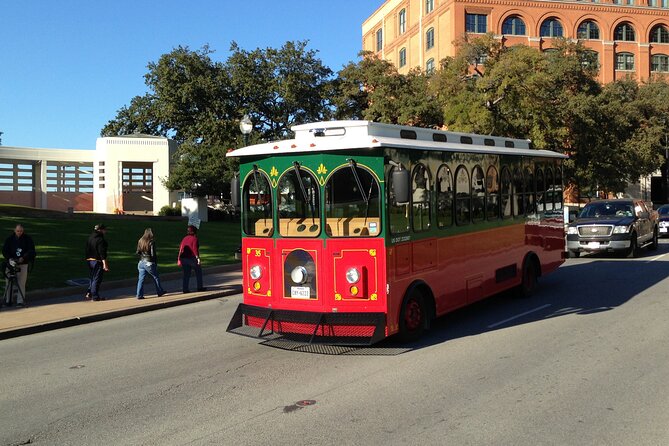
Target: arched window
588, 30
429, 6
444, 196
551, 191
507, 193
352, 193
421, 189
558, 188
625, 61
257, 203
551, 27
624, 32
541, 191
659, 63
379, 40
590, 58
659, 34
462, 196
403, 57
492, 194
513, 26
518, 195
402, 17
429, 66
478, 194
429, 39
299, 204
529, 191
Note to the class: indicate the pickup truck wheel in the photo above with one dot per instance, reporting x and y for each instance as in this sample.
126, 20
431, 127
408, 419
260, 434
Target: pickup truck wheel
634, 247
653, 244
575, 254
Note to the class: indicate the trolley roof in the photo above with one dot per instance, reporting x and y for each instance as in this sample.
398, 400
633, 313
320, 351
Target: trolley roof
328, 136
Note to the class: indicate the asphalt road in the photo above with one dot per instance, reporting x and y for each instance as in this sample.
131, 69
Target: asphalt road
584, 362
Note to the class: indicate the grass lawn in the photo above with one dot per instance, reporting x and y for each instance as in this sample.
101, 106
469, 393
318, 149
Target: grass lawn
60, 240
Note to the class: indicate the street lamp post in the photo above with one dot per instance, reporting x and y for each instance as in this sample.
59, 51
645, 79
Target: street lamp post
246, 127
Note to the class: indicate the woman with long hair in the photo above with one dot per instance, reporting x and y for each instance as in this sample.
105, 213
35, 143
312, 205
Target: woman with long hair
148, 263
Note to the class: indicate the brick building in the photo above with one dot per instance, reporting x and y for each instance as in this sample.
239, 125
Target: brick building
629, 37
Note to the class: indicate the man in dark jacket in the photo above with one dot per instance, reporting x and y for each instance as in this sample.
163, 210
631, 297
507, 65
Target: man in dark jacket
19, 253
96, 257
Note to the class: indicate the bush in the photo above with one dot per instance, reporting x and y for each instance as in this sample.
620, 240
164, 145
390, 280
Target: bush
169, 211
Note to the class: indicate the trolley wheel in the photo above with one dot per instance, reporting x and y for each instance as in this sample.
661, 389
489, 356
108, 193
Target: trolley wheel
412, 316
529, 279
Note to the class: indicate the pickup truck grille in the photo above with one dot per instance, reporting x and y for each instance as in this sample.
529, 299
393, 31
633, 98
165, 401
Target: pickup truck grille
595, 230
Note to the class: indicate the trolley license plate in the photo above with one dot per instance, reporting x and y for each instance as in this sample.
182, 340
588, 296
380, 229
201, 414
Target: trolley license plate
300, 292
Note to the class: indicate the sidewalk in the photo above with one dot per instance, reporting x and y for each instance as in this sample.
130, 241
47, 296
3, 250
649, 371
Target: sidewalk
49, 310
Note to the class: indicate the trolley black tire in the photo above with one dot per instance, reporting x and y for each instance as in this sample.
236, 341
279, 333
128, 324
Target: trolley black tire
413, 316
528, 285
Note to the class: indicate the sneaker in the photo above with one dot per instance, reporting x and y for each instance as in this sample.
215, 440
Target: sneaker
202, 289
186, 291
140, 297
88, 296
162, 293
96, 299
21, 305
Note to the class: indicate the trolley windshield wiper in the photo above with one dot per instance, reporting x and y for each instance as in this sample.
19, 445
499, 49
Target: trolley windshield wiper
296, 167
365, 197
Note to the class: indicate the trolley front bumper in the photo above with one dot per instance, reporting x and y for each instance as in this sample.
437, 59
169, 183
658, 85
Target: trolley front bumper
308, 327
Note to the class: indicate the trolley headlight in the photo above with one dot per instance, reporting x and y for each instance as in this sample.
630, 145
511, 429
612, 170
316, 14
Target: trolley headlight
621, 229
298, 274
255, 272
572, 230
352, 275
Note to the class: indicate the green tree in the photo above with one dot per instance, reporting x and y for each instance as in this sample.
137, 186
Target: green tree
279, 88
372, 89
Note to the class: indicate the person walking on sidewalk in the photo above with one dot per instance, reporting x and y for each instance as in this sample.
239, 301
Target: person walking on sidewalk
96, 257
189, 258
19, 253
148, 263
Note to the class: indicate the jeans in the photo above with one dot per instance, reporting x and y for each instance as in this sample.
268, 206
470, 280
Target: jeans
95, 273
151, 269
188, 263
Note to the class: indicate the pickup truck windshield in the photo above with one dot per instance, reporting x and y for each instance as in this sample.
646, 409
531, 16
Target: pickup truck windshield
596, 210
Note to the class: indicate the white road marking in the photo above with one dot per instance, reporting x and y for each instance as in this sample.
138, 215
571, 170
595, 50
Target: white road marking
518, 315
657, 258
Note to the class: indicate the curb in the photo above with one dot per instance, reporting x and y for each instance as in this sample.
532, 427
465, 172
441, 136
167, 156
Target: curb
73, 321
48, 293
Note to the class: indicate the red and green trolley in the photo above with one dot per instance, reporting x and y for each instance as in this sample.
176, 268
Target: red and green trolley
354, 231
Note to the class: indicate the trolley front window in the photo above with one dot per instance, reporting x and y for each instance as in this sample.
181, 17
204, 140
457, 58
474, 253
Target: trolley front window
257, 204
352, 204
299, 206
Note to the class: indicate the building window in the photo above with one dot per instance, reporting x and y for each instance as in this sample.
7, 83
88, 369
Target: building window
652, 3
590, 59
429, 39
513, 26
588, 30
403, 57
429, 66
429, 6
659, 63
659, 34
379, 40
403, 21
476, 23
624, 32
551, 28
625, 61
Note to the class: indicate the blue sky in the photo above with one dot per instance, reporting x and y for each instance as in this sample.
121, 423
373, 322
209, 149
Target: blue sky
67, 66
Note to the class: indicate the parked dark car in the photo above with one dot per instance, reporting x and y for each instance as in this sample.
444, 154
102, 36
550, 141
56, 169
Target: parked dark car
622, 226
663, 224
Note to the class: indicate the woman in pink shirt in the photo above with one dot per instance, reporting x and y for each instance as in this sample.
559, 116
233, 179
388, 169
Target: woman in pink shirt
189, 258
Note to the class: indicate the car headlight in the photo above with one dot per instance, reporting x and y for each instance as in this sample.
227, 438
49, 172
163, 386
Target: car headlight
255, 272
621, 229
352, 275
572, 230
298, 274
